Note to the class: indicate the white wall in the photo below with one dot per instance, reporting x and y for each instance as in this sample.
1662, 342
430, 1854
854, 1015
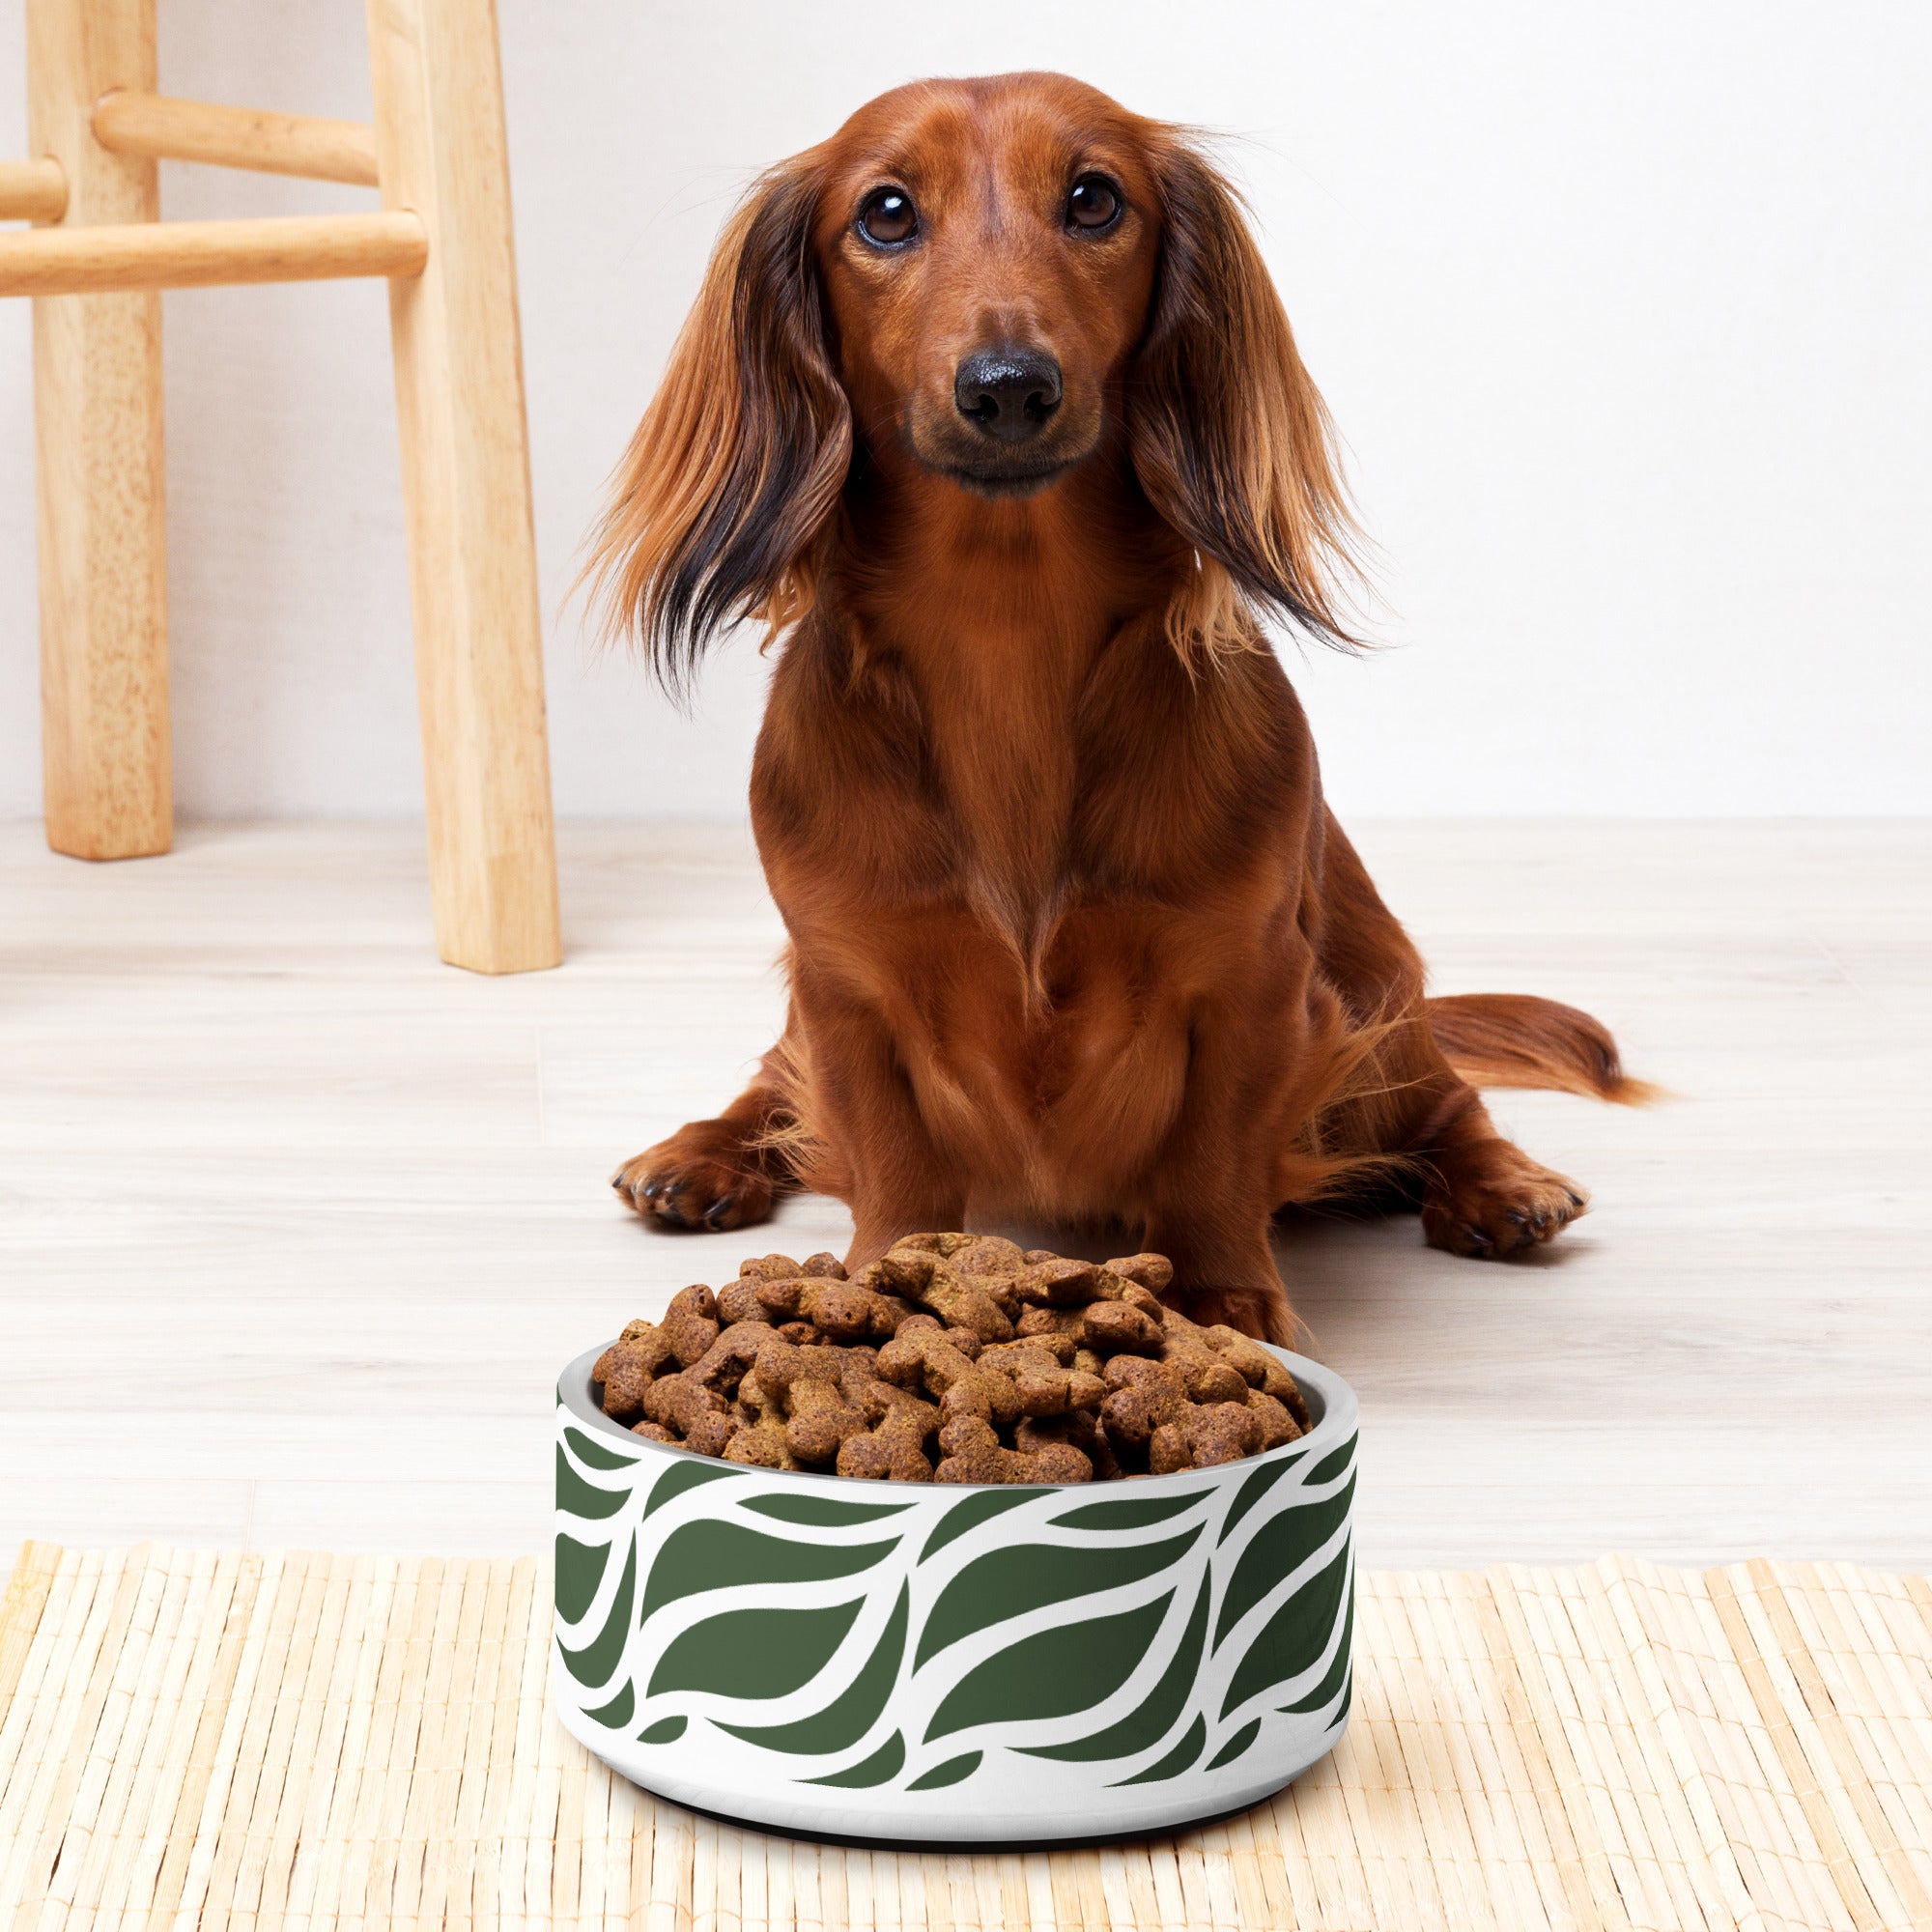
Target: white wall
1622, 311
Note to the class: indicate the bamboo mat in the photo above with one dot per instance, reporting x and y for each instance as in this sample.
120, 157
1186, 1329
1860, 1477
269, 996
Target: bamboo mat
248, 1740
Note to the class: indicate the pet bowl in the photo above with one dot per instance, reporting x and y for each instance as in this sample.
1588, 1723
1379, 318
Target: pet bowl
926, 1662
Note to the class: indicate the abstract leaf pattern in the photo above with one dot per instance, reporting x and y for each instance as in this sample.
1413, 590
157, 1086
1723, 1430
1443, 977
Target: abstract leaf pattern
852, 1642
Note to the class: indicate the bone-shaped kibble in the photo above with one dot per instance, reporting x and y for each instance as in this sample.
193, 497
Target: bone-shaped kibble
920, 1358
894, 1449
989, 1257
1209, 1377
1146, 1395
1065, 1284
628, 1367
844, 1311
1257, 1368
1078, 1429
761, 1443
1152, 1272
1044, 1386
723, 1365
700, 1415
973, 1454
769, 1268
1060, 1343
690, 1323
916, 1275
1278, 1424
1119, 1327
818, 1417
1208, 1433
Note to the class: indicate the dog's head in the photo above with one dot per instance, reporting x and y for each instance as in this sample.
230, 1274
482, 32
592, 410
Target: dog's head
978, 286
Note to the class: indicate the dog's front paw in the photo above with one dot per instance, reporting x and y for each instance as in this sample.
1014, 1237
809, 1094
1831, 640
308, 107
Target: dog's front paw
693, 1181
1491, 1201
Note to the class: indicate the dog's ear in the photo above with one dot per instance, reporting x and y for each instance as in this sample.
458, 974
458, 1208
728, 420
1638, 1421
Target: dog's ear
719, 505
1229, 436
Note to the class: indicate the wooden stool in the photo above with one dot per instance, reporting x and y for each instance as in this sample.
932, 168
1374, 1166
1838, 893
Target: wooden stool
442, 238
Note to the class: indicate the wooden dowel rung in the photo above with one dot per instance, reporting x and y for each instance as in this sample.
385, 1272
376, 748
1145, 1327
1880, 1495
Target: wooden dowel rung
236, 137
32, 190
196, 254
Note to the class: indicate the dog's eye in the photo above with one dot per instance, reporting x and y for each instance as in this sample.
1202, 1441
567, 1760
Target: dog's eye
1094, 203
888, 218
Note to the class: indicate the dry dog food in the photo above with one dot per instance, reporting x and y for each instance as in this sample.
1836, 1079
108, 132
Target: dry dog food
955, 1358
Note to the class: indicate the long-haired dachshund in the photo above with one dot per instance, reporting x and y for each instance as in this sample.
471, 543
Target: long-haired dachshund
989, 410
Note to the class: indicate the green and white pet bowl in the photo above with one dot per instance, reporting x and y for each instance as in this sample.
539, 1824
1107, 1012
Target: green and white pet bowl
926, 1662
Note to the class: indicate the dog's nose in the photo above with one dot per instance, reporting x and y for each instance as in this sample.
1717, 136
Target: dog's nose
1009, 393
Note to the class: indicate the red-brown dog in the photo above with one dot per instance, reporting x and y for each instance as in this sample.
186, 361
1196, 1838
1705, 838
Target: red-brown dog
989, 406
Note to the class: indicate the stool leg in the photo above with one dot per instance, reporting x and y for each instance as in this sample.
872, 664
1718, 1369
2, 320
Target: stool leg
98, 436
466, 486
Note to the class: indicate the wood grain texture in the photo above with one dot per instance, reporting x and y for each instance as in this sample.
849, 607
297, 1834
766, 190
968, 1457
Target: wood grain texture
157, 125
98, 446
207, 254
33, 190
465, 482
348, 1211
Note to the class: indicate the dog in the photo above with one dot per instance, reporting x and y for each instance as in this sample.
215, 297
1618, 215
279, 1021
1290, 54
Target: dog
989, 411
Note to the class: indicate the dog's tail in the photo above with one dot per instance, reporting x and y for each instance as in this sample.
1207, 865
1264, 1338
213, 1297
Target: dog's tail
1514, 1040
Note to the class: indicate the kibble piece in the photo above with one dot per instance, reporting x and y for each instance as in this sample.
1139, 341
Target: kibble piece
818, 1417
627, 1369
1146, 1395
1044, 1386
1118, 1328
915, 1276
843, 1310
700, 1415
1078, 1429
973, 1454
1153, 1272
826, 1265
1064, 1283
1038, 1320
690, 1323
1221, 1431
1278, 1426
770, 1267
923, 1360
1212, 1381
1053, 1344
723, 1365
988, 1255
894, 1448
653, 1432
761, 1444
942, 1245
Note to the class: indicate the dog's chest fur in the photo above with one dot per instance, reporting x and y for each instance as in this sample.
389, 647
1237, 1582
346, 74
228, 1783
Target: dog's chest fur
1024, 877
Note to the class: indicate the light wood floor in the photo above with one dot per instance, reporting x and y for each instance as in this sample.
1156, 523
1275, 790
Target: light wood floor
297, 1225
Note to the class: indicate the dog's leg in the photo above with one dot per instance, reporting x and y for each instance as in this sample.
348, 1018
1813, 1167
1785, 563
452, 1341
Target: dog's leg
1207, 1200
1481, 1196
881, 1157
718, 1174
1224, 1272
